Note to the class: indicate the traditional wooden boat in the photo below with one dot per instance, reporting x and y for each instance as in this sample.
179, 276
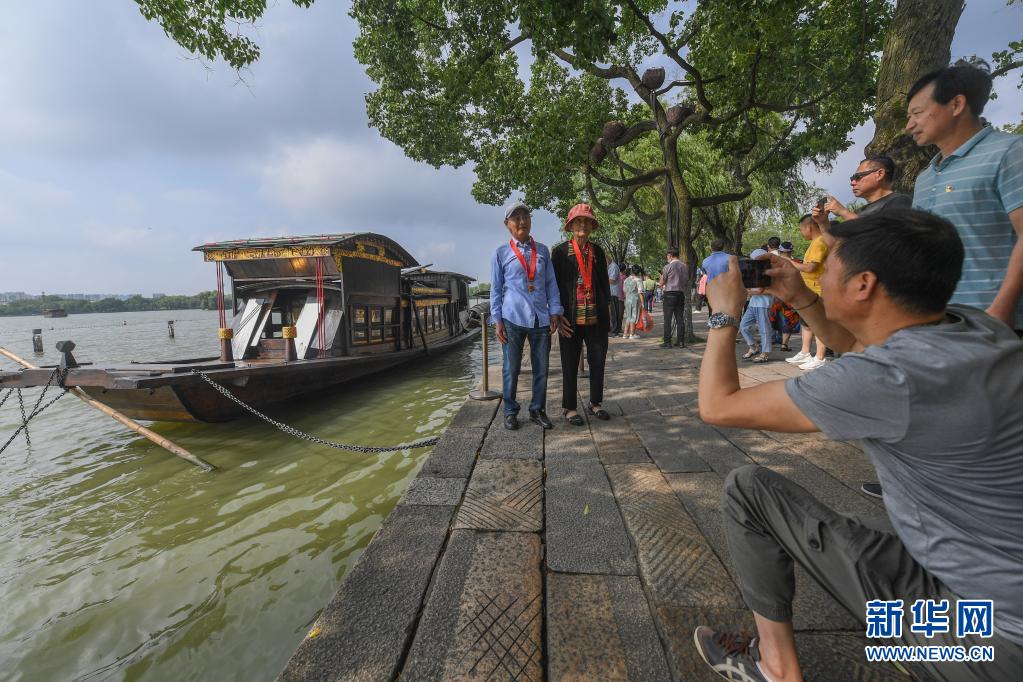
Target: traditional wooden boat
308, 313
54, 312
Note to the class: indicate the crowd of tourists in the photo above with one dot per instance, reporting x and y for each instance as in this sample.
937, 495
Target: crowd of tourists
920, 300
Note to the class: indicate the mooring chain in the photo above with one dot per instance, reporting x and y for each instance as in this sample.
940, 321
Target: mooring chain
36, 409
290, 430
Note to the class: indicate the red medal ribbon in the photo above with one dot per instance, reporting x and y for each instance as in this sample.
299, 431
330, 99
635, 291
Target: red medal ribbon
587, 270
531, 268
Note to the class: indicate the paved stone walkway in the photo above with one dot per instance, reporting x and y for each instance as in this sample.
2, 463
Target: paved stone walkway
584, 553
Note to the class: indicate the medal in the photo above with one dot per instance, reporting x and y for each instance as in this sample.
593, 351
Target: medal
531, 268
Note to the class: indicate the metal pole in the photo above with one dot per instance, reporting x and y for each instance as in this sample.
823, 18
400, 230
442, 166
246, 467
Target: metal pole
485, 393
164, 443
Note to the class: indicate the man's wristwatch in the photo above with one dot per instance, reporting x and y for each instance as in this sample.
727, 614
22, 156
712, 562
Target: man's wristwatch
719, 320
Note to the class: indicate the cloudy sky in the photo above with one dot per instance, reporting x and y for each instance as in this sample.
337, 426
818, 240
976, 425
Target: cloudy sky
120, 153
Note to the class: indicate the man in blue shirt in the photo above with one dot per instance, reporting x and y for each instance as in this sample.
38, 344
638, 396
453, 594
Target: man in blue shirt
524, 303
975, 182
717, 261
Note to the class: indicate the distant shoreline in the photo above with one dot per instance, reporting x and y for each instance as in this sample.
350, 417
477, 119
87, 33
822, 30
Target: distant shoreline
205, 300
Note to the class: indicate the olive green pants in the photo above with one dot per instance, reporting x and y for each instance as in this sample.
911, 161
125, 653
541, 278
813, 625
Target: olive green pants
772, 523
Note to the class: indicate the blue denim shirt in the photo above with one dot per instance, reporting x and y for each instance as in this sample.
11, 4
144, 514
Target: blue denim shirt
510, 298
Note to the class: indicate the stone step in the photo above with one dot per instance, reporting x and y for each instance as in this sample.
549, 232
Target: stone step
599, 627
483, 618
503, 495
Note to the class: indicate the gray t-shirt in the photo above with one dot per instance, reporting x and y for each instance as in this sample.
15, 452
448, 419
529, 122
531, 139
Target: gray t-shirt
939, 410
887, 202
675, 275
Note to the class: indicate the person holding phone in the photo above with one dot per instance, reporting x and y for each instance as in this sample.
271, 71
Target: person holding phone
811, 269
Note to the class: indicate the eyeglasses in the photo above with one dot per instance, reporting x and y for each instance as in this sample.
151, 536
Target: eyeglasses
856, 177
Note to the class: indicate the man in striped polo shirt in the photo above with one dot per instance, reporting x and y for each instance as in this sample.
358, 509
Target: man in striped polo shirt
975, 182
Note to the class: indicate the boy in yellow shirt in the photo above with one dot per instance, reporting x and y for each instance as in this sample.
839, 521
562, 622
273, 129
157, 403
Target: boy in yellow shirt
811, 269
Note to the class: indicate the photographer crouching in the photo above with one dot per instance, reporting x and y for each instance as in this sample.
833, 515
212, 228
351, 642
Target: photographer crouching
934, 393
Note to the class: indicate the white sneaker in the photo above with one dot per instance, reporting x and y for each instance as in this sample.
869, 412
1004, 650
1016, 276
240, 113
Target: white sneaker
812, 363
799, 358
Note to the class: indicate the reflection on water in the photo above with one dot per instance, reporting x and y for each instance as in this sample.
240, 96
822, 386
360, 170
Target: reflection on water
120, 561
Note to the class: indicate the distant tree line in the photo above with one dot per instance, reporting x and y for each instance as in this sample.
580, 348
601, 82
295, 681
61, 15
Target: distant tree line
203, 300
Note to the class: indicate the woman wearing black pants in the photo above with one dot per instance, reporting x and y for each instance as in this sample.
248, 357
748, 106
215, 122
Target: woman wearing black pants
580, 267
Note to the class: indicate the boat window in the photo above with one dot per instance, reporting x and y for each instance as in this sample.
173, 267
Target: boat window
359, 314
376, 315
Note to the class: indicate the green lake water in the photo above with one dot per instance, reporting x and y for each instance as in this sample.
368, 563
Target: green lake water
120, 561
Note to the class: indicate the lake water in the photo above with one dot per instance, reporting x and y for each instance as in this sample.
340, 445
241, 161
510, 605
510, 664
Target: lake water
121, 561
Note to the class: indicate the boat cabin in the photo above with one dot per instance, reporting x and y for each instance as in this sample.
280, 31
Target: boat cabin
343, 294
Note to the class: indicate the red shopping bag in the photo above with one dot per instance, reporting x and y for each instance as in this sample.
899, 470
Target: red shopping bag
645, 322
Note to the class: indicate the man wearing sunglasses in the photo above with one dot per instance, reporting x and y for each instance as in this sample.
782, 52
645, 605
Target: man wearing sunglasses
872, 182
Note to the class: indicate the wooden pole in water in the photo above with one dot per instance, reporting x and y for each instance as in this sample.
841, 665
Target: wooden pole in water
164, 443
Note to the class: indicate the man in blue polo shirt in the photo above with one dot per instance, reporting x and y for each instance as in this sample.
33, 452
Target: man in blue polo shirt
975, 182
524, 303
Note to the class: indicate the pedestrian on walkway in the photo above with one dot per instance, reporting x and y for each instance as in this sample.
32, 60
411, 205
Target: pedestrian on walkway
811, 268
975, 182
614, 275
701, 290
579, 264
633, 302
674, 280
524, 304
949, 460
758, 314
649, 285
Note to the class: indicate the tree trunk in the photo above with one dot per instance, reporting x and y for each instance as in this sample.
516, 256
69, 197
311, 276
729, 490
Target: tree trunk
919, 40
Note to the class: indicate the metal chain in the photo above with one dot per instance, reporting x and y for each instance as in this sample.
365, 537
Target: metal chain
7, 395
292, 431
24, 420
36, 410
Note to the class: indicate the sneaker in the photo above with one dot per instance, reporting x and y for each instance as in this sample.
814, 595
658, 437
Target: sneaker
799, 358
733, 657
812, 363
872, 489
753, 350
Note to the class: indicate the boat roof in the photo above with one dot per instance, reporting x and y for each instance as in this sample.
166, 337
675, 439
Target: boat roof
440, 273
341, 239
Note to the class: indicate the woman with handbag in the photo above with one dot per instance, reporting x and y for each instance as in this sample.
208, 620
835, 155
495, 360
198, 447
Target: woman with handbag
633, 301
587, 319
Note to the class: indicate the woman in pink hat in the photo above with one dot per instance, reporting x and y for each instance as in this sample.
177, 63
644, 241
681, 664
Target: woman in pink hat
580, 266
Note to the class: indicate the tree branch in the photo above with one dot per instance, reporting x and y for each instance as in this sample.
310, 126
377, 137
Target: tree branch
686, 84
672, 52
622, 165
609, 73
636, 181
774, 148
1002, 70
632, 132
623, 201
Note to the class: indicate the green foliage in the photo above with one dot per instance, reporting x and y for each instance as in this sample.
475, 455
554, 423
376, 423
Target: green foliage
773, 84
204, 300
210, 28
